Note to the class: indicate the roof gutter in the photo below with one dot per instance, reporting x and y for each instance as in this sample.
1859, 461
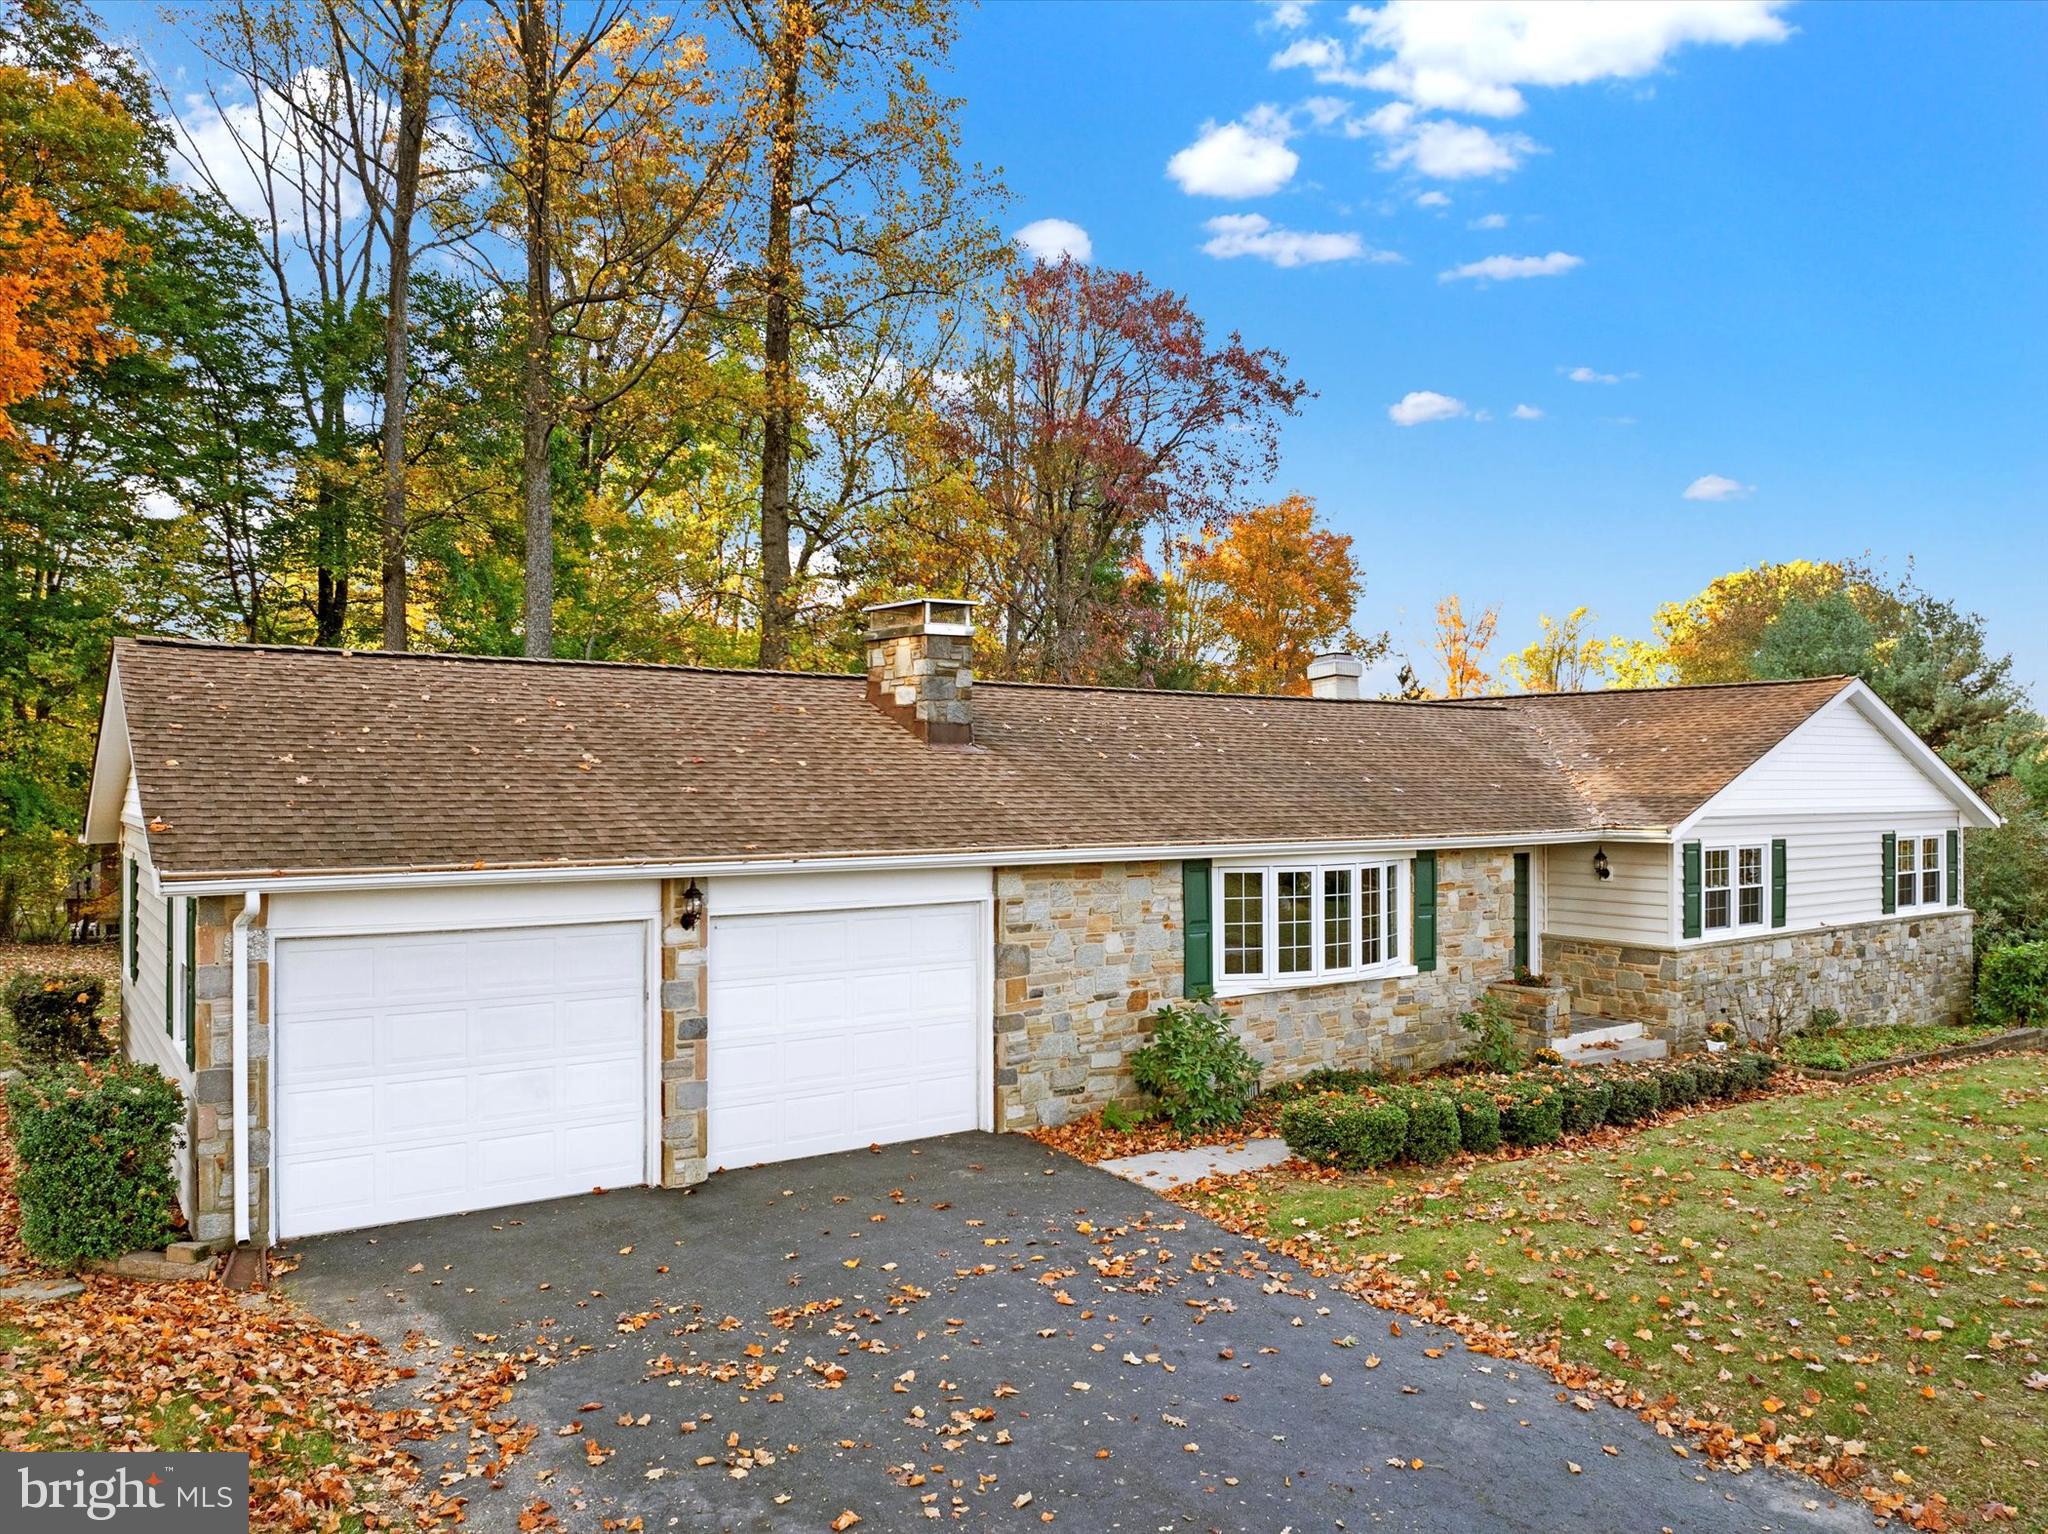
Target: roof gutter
252, 902
1004, 857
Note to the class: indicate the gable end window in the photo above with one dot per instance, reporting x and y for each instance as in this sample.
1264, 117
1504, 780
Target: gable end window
1920, 876
1732, 882
1301, 923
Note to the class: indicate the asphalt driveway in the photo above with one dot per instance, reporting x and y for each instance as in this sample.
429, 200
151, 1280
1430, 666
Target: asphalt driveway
974, 1328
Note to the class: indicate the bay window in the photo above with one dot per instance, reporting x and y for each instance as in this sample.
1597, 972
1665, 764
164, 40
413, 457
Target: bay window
1297, 923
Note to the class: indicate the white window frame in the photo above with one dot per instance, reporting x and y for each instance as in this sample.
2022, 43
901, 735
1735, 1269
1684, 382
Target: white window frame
1395, 874
1919, 842
1736, 885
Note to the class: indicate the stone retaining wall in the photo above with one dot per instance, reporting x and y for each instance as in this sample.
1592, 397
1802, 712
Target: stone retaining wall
1086, 952
1913, 969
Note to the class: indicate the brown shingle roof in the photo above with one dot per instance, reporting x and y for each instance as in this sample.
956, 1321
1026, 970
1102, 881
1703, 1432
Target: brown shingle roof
255, 760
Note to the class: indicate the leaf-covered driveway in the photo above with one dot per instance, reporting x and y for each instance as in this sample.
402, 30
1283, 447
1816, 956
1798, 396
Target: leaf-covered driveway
979, 1329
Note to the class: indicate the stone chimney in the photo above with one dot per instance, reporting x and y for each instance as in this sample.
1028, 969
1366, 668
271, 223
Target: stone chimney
920, 666
1335, 675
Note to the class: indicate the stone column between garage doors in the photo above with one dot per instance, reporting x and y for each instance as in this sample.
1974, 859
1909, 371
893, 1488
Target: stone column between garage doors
685, 1121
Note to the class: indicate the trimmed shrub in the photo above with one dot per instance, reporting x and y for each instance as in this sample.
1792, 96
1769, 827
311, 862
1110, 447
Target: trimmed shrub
1478, 1121
1584, 1104
1432, 1125
1353, 1131
1531, 1113
1634, 1098
1756, 1069
1196, 1068
2012, 984
92, 1153
1677, 1085
1719, 1076
57, 1019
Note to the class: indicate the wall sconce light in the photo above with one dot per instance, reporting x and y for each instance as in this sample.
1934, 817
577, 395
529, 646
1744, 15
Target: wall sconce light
1600, 867
693, 906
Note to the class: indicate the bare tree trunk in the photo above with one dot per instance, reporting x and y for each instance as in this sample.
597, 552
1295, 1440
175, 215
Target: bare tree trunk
413, 87
537, 383
778, 375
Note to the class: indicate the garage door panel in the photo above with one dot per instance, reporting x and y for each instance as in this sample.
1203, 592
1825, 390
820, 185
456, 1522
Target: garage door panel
485, 1067
508, 1030
415, 972
414, 1037
603, 1022
598, 1084
324, 1117
864, 1027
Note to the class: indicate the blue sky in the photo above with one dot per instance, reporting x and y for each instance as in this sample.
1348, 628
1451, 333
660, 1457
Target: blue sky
1814, 267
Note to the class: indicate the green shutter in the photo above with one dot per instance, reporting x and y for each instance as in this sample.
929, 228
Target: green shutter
1778, 882
128, 922
1425, 910
191, 979
170, 966
1521, 914
1690, 858
1955, 868
1198, 960
1890, 897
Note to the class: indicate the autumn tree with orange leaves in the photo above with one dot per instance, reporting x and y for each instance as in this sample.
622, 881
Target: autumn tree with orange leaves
1461, 647
1268, 592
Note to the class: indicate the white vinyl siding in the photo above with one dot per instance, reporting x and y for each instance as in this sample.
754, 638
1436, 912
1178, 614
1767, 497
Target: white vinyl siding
142, 999
1832, 790
1631, 906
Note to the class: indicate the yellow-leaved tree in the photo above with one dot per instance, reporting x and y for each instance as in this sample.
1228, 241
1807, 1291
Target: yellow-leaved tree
1461, 647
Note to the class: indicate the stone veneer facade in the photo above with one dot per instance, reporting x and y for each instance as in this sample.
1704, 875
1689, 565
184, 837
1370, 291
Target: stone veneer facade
210, 1115
1085, 952
685, 1122
1901, 969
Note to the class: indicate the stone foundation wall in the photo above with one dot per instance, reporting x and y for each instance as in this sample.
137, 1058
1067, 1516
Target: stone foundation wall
1915, 969
1086, 952
685, 1121
1542, 1013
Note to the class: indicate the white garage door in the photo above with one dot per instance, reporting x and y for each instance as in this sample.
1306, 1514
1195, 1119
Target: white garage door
836, 1029
433, 1072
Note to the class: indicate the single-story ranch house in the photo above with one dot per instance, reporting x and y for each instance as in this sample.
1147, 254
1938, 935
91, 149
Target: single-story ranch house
427, 933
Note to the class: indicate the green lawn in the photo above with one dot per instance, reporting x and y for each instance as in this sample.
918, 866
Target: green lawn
1864, 1264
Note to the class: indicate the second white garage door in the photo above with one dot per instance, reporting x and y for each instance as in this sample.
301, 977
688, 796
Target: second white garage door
831, 1030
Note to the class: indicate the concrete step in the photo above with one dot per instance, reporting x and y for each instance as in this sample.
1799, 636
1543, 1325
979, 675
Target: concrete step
1624, 1053
1599, 1031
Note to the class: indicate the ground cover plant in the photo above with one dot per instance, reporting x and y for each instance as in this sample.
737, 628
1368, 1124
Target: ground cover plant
1837, 1049
1850, 1279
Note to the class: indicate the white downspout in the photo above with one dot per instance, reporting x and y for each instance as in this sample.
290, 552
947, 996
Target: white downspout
252, 902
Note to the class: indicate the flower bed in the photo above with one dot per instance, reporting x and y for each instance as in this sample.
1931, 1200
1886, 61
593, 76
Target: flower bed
1847, 1053
1432, 1119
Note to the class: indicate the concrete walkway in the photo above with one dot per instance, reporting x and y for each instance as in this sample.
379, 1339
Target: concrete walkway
1163, 1171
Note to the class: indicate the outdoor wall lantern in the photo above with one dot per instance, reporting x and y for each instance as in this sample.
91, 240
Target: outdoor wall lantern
693, 905
1600, 871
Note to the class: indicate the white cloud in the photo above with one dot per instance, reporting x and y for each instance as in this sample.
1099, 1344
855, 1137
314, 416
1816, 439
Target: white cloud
1422, 405
1584, 374
1489, 221
1509, 268
1285, 16
1474, 57
216, 139
1237, 159
1432, 200
1526, 413
1049, 239
1451, 151
1718, 487
158, 505
1252, 234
